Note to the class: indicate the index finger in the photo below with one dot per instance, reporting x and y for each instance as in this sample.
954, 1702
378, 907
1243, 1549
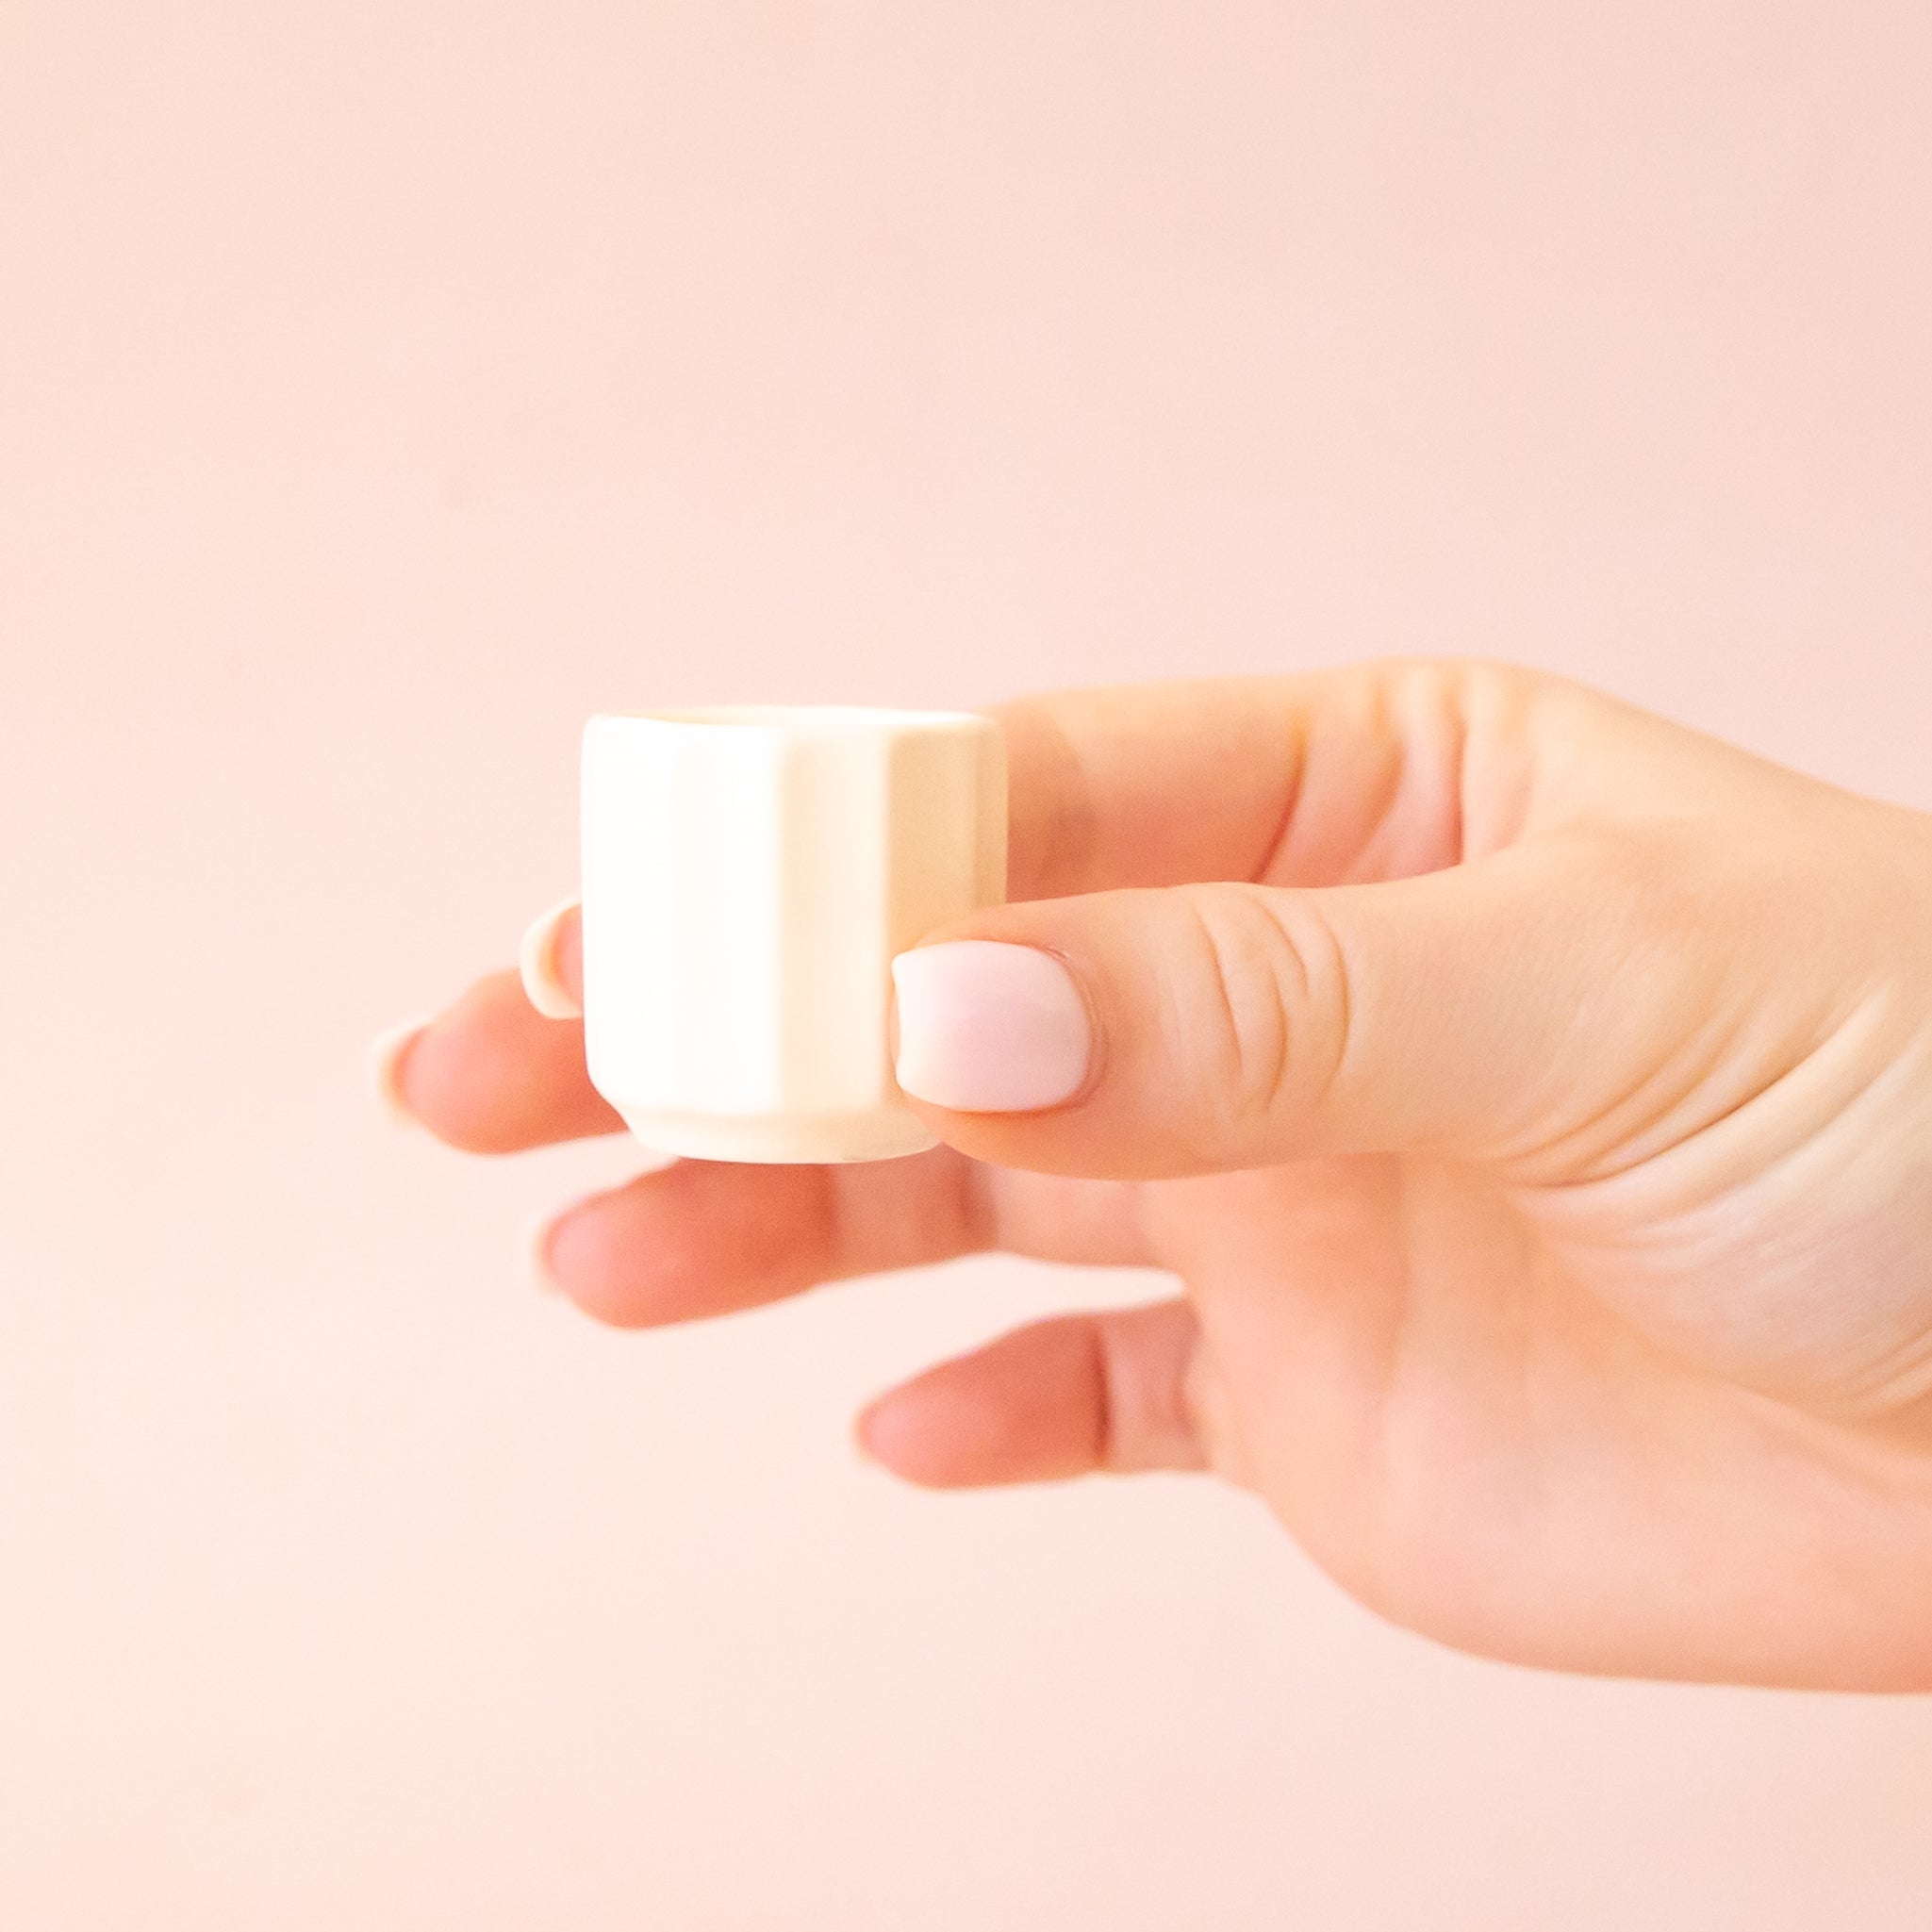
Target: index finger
1373, 773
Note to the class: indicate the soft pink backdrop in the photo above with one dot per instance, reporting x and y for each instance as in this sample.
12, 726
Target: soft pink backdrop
383, 387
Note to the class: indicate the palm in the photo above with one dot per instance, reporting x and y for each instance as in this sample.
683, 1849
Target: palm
1469, 1441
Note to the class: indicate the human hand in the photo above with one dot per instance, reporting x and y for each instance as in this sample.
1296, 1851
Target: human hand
1533, 1098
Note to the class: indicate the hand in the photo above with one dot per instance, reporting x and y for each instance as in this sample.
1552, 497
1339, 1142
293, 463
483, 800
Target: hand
1533, 1099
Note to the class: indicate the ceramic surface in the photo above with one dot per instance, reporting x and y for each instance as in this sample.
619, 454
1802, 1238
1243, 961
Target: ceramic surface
748, 873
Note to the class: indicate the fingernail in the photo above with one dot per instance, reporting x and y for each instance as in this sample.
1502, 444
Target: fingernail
989, 1028
538, 962
387, 1055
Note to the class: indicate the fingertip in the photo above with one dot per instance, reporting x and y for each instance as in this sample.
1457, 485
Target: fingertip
386, 1064
571, 1251
493, 1077
616, 1256
895, 1432
535, 1244
540, 963
861, 1438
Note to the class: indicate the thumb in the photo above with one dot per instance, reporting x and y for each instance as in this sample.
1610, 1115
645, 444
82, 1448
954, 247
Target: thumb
1478, 1010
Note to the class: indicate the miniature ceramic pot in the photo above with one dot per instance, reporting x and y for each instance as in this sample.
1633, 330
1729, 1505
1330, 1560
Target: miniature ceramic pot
748, 873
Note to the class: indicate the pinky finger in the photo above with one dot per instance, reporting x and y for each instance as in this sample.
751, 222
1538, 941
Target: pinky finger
1074, 1395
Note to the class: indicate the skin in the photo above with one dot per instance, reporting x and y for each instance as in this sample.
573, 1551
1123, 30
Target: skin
1532, 1101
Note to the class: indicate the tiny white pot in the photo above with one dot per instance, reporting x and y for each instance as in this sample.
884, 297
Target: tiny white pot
748, 873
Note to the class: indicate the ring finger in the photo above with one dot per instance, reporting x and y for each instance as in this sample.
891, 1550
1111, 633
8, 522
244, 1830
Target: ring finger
702, 1238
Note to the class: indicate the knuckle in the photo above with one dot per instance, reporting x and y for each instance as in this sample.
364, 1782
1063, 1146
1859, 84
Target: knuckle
1267, 975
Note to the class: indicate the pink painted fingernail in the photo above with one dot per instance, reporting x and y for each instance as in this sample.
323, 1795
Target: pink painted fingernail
537, 961
985, 1026
388, 1055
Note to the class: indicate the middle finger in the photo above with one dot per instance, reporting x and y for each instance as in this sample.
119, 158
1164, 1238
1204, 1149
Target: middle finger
702, 1238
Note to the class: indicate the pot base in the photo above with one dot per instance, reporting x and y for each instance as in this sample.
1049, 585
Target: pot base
772, 1138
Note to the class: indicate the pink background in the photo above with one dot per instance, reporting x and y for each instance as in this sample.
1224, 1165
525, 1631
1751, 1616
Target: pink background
383, 387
